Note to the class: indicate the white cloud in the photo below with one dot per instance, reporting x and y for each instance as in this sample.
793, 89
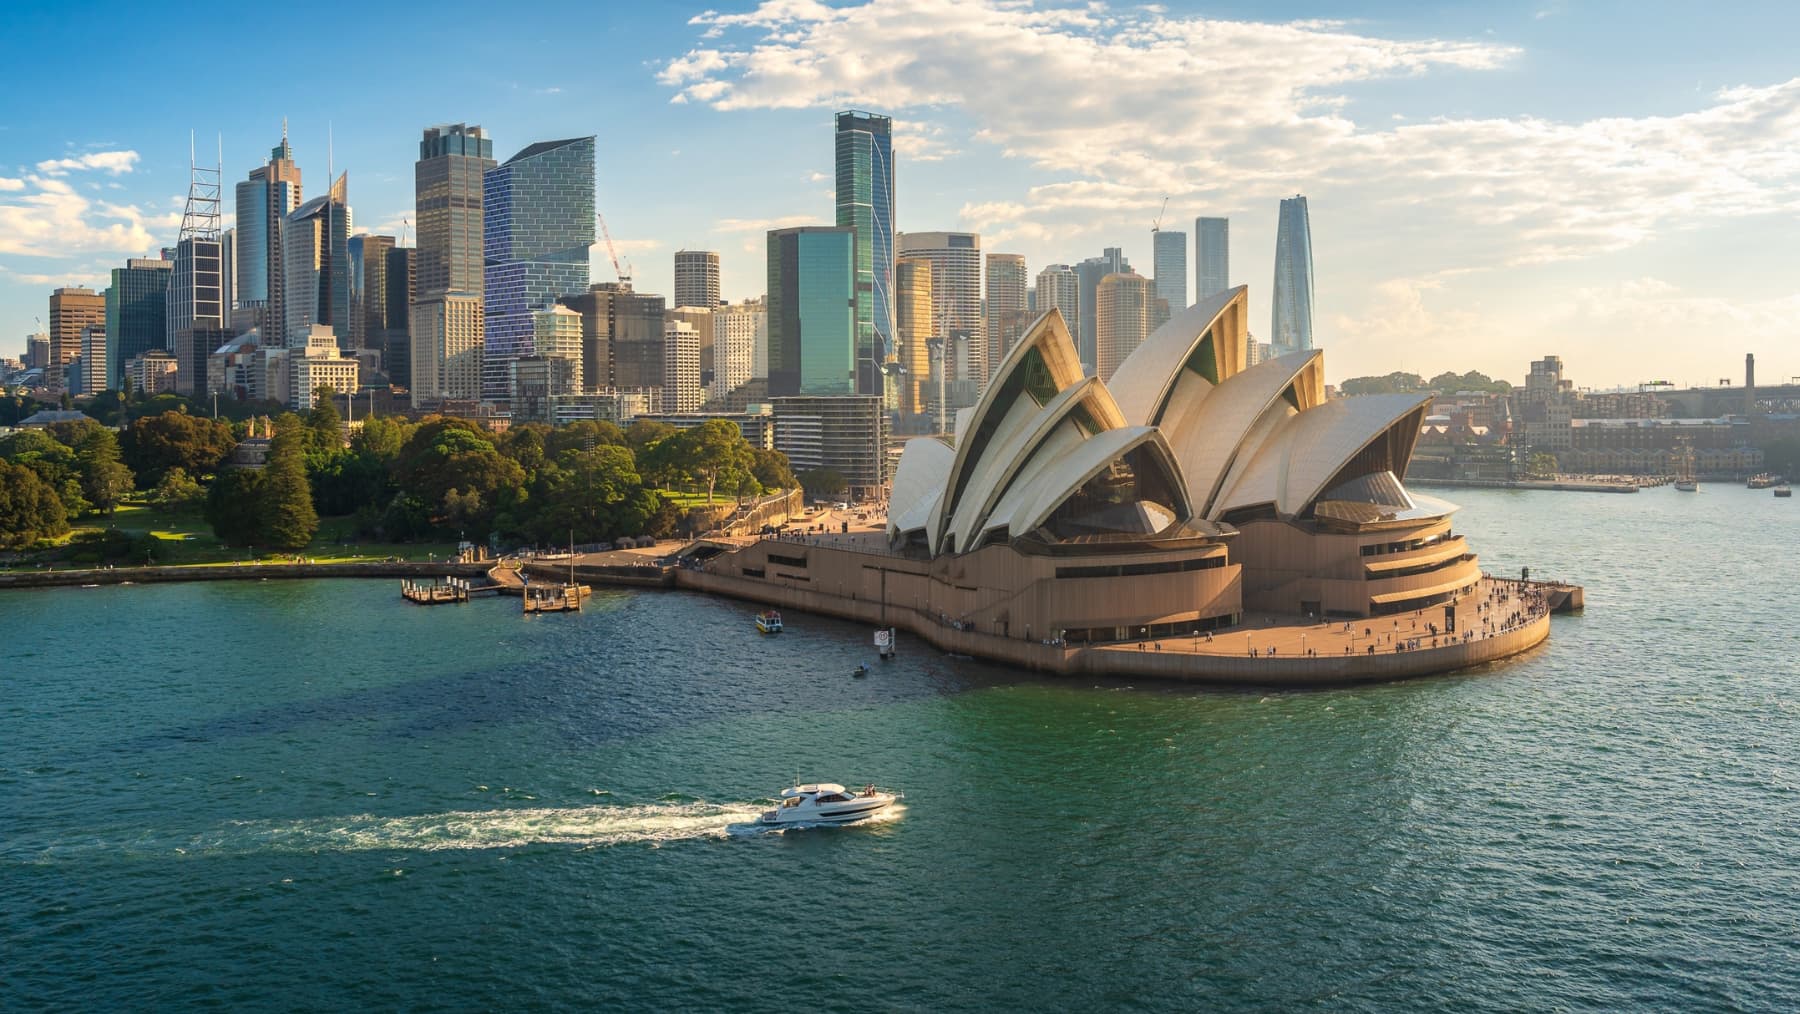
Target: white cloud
49, 218
92, 278
7, 184
114, 162
1118, 108
765, 224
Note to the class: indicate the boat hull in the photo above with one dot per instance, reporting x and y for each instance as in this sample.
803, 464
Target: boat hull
846, 814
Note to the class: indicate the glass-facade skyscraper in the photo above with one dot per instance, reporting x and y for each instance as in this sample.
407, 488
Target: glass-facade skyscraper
1169, 263
1212, 257
1088, 275
315, 269
537, 223
812, 311
136, 309
1291, 324
865, 202
447, 198
264, 200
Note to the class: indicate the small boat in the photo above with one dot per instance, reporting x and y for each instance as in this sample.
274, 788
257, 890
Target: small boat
769, 622
862, 669
827, 803
1763, 480
1783, 490
1686, 486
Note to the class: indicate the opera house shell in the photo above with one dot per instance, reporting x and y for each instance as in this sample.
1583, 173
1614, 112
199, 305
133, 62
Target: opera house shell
1176, 496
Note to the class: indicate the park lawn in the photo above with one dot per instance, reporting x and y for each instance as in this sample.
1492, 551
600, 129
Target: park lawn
685, 499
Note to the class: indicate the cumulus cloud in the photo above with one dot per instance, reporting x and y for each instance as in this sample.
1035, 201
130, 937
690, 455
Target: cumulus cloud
1117, 108
114, 162
46, 217
765, 224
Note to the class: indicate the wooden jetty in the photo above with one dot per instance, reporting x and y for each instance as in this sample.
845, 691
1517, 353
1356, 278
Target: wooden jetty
554, 598
437, 591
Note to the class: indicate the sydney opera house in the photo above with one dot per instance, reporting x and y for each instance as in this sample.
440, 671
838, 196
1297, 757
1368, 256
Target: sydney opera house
1187, 490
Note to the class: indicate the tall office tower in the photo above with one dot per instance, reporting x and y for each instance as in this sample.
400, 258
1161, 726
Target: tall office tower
315, 263
621, 335
72, 308
697, 278
264, 201
92, 359
955, 296
136, 313
681, 368
537, 225
1169, 261
812, 310
736, 330
1006, 314
195, 307
914, 328
368, 289
864, 153
37, 351
446, 348
1088, 275
1291, 325
447, 198
1212, 257
1059, 288
1122, 307
759, 360
402, 289
228, 272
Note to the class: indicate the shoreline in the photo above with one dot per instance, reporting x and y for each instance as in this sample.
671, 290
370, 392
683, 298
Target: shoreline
1564, 486
237, 572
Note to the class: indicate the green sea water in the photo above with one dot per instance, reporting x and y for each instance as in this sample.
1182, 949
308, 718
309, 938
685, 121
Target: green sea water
311, 795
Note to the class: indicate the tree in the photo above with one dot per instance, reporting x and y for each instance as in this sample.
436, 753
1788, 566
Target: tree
326, 424
178, 491
714, 452
1541, 466
380, 438
104, 479
71, 433
643, 433
583, 435
823, 483
29, 509
771, 469
597, 494
233, 507
54, 463
286, 514
153, 444
451, 454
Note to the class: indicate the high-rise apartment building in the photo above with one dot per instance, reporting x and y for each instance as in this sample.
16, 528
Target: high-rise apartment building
1059, 288
864, 152
1088, 275
447, 198
557, 335
1291, 325
621, 335
264, 200
681, 368
812, 310
915, 327
315, 254
136, 313
91, 363
1123, 304
72, 309
1006, 314
847, 434
538, 223
700, 318
697, 278
736, 331
446, 348
1212, 257
1169, 261
955, 297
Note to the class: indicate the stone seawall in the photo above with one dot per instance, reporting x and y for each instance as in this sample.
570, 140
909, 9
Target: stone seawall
238, 572
1126, 660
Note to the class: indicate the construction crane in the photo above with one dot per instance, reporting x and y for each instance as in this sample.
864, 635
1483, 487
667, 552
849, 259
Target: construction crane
1156, 226
613, 253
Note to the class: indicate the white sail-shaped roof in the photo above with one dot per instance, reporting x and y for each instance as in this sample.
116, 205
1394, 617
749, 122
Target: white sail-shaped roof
1291, 468
1048, 481
1208, 439
1154, 380
918, 482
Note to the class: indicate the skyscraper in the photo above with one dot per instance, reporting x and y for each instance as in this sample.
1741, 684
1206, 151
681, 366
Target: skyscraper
368, 289
136, 313
1058, 287
264, 200
195, 307
914, 328
812, 310
1169, 261
446, 348
681, 390
72, 309
402, 289
1212, 257
1291, 324
447, 198
736, 331
955, 297
1006, 317
538, 223
697, 278
315, 268
1122, 306
865, 202
1089, 273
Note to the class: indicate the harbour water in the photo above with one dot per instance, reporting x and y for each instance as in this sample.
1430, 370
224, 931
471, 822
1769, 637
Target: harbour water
311, 795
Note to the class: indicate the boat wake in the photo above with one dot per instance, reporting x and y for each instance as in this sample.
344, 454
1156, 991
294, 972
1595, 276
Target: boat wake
582, 826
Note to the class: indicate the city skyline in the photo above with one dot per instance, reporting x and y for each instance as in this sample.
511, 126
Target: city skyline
1470, 178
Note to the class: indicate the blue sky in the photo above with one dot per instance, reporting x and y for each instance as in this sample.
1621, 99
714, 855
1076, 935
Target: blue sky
1488, 183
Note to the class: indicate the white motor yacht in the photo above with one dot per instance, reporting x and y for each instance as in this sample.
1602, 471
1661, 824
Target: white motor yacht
827, 803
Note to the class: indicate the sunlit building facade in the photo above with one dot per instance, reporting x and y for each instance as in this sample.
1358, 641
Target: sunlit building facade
864, 156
